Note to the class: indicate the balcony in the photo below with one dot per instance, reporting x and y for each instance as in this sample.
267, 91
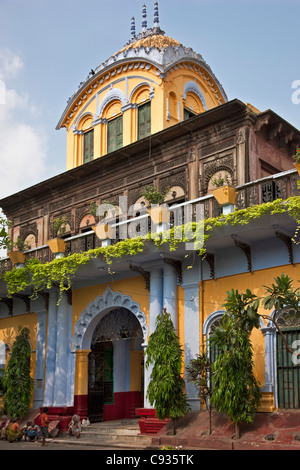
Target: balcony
279, 186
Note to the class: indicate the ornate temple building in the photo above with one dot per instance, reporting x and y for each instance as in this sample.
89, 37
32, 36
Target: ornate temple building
152, 114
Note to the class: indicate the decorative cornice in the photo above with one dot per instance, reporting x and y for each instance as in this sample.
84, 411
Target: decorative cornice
144, 57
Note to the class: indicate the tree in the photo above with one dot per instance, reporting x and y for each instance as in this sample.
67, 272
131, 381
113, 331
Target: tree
200, 370
4, 224
236, 391
281, 294
16, 381
166, 390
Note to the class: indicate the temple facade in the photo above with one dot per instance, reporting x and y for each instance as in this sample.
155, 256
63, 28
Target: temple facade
153, 114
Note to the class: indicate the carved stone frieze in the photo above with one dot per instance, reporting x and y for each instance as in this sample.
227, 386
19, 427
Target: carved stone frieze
178, 179
225, 163
28, 230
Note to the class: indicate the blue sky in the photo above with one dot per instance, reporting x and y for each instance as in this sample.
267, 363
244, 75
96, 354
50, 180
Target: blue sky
47, 47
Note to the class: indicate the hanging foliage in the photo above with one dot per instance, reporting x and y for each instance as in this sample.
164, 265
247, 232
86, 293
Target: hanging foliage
37, 275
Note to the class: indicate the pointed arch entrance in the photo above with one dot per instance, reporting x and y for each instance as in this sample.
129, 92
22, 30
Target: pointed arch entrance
112, 332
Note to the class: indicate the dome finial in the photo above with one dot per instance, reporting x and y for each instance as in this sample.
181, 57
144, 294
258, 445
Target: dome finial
132, 29
144, 15
156, 15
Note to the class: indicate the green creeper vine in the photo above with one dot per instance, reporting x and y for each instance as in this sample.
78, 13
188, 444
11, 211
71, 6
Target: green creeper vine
38, 276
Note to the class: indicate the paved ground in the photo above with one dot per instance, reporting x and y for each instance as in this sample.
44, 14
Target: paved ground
270, 431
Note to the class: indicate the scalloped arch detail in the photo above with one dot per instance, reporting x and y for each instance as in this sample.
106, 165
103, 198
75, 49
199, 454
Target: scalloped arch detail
111, 95
194, 88
98, 308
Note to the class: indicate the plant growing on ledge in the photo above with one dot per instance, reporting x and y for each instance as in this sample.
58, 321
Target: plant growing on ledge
220, 180
93, 207
59, 226
57, 245
296, 159
224, 193
16, 251
153, 196
19, 245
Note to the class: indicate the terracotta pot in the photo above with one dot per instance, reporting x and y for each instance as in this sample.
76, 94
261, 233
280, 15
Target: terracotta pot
225, 195
17, 257
57, 245
297, 166
103, 231
159, 214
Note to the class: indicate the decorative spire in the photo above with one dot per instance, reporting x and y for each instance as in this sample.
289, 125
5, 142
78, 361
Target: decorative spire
156, 15
133, 27
144, 15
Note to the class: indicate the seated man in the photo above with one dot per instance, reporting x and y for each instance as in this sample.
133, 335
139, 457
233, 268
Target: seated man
75, 426
32, 432
14, 432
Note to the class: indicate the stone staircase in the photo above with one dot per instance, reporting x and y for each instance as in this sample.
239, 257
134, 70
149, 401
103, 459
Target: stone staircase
119, 434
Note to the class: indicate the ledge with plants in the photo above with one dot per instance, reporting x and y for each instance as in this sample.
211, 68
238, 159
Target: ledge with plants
61, 271
296, 159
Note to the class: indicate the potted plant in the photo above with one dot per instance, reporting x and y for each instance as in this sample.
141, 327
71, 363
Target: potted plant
59, 226
104, 231
224, 193
296, 159
158, 214
16, 251
93, 208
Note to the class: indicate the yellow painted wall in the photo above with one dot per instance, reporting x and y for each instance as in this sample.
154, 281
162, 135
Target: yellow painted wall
135, 287
215, 296
163, 89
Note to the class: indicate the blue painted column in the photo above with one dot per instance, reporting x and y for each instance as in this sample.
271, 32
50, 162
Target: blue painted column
71, 361
51, 349
269, 333
192, 332
155, 308
155, 297
61, 365
170, 293
40, 357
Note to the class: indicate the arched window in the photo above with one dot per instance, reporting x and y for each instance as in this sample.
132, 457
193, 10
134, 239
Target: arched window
192, 106
209, 327
114, 117
115, 134
141, 98
288, 365
144, 120
85, 128
88, 146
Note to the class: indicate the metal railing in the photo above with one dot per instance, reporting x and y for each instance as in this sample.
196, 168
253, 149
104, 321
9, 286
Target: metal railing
279, 186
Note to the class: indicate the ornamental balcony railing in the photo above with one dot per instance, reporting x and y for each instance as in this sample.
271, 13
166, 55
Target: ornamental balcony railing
279, 186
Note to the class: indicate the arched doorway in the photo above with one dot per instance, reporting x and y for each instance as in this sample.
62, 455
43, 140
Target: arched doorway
107, 318
115, 367
100, 378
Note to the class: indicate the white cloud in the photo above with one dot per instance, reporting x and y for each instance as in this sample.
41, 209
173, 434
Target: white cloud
23, 146
10, 64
